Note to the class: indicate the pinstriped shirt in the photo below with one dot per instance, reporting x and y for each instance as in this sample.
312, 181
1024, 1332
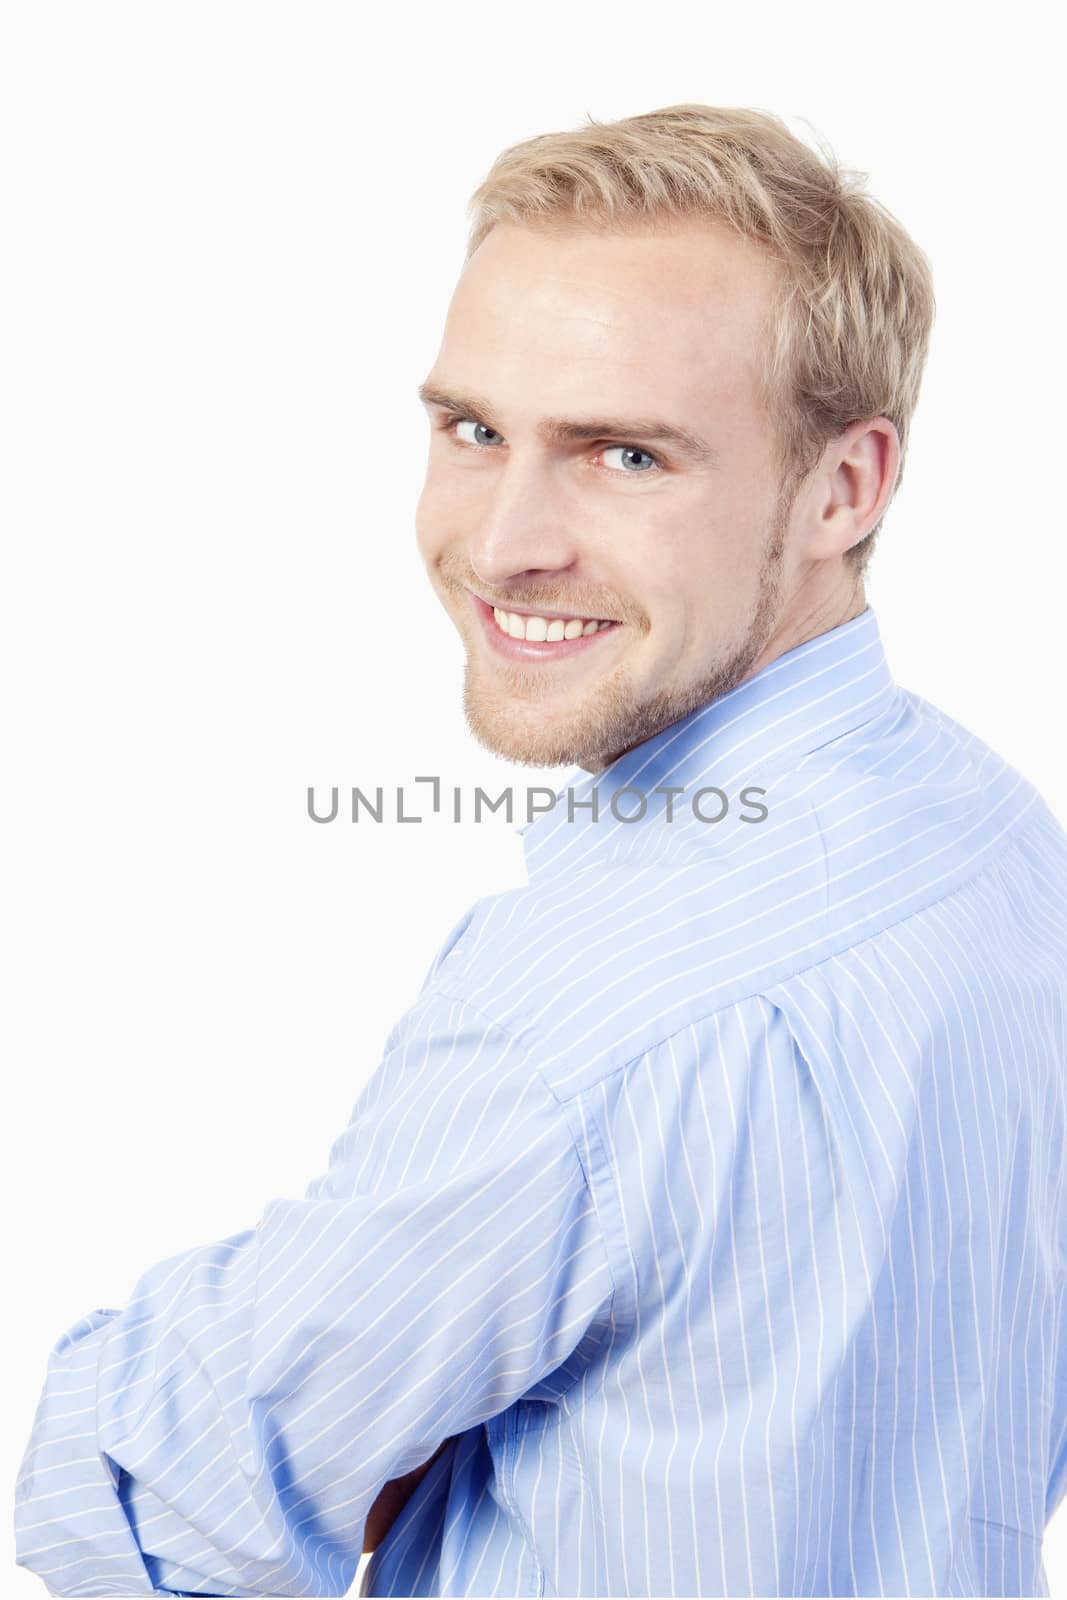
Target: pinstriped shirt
706, 1206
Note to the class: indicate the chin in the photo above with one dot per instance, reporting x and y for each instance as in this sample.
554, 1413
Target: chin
543, 741
536, 733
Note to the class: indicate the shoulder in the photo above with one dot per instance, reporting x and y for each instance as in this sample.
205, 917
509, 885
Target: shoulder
593, 968
587, 970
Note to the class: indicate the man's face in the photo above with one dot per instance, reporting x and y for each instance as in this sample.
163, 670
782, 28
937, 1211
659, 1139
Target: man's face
678, 544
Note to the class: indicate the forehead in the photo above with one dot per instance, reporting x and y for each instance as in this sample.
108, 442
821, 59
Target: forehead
675, 313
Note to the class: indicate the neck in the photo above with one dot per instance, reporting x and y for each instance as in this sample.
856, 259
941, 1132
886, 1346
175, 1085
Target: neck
805, 618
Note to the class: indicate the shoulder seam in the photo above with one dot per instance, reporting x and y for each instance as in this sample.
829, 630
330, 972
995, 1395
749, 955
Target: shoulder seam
559, 1103
762, 989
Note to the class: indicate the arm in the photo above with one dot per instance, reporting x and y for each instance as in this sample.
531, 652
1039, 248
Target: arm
392, 1500
233, 1428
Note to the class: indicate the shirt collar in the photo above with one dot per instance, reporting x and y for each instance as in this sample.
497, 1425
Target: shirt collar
803, 699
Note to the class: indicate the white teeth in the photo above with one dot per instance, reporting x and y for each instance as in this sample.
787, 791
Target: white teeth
541, 630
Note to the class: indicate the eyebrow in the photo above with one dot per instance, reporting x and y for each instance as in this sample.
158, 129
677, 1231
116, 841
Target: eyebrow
567, 430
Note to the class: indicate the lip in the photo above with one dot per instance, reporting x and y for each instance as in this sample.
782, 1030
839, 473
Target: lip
529, 649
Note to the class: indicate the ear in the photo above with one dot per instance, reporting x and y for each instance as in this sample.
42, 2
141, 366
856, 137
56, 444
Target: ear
853, 485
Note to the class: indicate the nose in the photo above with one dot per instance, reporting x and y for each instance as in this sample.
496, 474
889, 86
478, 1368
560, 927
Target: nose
524, 528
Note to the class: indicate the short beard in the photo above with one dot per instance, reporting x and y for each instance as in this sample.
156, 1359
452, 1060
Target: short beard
617, 720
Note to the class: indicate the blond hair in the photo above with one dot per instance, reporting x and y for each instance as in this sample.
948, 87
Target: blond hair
850, 320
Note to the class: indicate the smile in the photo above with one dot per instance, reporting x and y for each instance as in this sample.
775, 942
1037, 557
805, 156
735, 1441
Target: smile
545, 629
531, 636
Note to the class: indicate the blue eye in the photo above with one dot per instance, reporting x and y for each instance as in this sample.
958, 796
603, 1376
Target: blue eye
631, 450
481, 435
479, 430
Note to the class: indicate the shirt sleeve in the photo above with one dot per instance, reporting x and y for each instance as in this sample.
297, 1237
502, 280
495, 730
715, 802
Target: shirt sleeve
228, 1432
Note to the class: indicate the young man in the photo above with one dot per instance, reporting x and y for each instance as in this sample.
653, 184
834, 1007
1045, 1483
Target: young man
702, 1230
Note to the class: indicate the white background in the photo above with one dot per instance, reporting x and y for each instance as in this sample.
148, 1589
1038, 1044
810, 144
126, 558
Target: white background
230, 235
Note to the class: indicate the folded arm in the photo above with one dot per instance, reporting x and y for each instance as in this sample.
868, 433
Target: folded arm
392, 1500
239, 1422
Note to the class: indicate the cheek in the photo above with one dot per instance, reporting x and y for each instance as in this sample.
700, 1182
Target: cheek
446, 510
692, 602
431, 521
660, 610
672, 588
708, 566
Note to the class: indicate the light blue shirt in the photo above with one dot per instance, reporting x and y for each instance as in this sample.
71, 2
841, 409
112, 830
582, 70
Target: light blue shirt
708, 1200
